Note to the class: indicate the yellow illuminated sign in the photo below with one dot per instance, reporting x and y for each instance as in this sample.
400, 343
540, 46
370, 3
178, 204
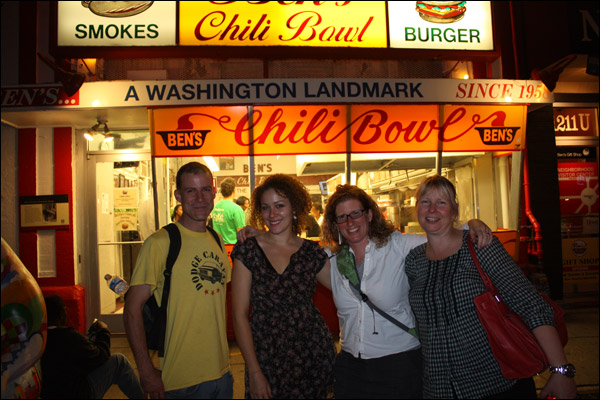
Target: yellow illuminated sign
315, 24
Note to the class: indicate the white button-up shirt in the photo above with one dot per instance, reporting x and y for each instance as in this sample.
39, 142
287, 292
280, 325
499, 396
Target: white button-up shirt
385, 283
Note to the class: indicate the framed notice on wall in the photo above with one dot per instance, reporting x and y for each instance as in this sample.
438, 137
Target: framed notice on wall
45, 212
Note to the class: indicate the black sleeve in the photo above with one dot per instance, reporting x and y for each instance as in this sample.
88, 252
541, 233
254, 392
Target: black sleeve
92, 354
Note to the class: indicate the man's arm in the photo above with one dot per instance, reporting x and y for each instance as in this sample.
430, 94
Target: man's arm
150, 377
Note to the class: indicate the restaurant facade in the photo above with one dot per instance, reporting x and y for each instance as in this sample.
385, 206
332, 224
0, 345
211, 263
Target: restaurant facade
377, 94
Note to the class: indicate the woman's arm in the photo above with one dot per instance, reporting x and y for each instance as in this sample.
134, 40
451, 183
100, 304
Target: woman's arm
521, 297
247, 232
240, 301
558, 385
324, 275
480, 233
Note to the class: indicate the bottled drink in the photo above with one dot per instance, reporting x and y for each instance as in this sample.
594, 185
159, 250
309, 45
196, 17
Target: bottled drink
116, 284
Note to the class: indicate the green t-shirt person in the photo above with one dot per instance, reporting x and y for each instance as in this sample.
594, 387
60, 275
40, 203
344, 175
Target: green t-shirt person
227, 218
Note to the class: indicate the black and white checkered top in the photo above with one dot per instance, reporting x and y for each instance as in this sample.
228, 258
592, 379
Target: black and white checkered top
457, 360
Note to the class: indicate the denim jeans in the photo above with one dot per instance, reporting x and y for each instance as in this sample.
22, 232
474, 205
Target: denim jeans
117, 370
221, 388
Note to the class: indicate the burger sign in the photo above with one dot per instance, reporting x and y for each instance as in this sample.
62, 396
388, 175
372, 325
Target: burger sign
441, 25
441, 12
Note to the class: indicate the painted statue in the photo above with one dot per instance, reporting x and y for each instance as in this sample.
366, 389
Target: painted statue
23, 328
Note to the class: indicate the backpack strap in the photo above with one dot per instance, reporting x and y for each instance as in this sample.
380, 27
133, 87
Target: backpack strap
174, 247
216, 236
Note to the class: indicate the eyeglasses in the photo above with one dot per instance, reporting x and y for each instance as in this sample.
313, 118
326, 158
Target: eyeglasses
356, 214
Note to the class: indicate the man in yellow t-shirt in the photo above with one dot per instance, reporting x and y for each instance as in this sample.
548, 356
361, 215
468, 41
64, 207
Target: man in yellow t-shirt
196, 360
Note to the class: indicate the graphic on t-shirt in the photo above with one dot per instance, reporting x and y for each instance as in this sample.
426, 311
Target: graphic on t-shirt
208, 269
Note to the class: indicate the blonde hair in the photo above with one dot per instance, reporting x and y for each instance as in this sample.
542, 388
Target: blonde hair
443, 185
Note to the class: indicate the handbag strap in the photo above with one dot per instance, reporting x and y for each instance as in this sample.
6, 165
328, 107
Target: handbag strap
489, 285
351, 272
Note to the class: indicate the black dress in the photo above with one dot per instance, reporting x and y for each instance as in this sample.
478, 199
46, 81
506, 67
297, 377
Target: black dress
292, 342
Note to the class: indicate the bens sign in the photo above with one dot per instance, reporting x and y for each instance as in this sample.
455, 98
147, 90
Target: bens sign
331, 129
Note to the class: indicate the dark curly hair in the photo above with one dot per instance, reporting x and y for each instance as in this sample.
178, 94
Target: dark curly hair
290, 188
379, 228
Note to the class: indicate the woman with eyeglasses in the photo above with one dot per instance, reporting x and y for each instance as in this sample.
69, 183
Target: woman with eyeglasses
379, 359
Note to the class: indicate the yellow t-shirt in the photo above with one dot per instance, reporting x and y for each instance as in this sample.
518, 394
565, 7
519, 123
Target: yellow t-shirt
196, 348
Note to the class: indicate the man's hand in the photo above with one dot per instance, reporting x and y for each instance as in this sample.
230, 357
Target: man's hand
150, 377
151, 381
100, 325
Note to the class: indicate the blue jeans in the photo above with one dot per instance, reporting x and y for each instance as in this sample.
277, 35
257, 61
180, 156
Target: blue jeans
221, 388
117, 370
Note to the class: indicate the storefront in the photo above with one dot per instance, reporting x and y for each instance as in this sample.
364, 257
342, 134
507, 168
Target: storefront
383, 134
576, 131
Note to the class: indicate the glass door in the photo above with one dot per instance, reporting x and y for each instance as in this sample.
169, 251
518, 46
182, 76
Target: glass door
124, 217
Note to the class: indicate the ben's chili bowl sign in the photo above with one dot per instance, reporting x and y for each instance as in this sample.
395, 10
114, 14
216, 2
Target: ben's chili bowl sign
196, 131
283, 23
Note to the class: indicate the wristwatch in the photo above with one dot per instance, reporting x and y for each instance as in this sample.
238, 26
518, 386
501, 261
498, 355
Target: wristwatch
567, 370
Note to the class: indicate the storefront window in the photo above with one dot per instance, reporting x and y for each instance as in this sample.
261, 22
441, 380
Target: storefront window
482, 179
119, 140
576, 132
578, 186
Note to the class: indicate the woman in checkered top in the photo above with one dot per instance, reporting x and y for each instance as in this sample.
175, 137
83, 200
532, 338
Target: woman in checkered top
457, 359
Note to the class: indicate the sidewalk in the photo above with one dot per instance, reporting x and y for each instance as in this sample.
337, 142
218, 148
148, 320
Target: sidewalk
581, 350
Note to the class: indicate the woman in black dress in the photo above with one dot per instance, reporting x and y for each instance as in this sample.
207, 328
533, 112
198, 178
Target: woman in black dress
285, 342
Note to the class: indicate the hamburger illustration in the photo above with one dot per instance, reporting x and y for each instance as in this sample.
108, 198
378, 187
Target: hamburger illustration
441, 12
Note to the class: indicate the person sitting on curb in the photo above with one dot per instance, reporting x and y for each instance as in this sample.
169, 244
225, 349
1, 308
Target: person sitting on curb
74, 366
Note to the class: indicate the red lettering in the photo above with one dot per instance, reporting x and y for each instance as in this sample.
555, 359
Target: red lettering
295, 134
273, 124
369, 131
214, 22
233, 31
366, 123
244, 126
282, 3
499, 118
306, 30
453, 118
491, 94
318, 118
312, 33
461, 91
507, 91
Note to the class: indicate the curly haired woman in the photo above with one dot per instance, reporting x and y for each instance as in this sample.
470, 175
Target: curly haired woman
285, 342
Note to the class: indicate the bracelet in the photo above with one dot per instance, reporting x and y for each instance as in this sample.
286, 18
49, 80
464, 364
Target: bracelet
567, 370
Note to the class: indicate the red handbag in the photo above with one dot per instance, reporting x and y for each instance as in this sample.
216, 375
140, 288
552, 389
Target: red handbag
513, 344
